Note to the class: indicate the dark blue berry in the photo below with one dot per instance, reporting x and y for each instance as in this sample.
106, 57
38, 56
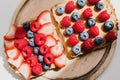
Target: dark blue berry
84, 36
26, 25
40, 58
75, 16
99, 6
69, 31
98, 41
36, 50
46, 67
60, 10
81, 3
31, 42
108, 25
91, 22
30, 34
76, 49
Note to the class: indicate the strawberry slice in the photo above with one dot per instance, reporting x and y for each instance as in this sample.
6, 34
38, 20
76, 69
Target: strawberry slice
60, 61
25, 70
46, 29
50, 41
57, 50
9, 44
44, 17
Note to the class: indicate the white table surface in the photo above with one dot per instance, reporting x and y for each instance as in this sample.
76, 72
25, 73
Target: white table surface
7, 8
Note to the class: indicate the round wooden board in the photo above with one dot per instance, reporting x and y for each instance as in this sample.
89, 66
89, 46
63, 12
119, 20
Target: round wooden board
87, 67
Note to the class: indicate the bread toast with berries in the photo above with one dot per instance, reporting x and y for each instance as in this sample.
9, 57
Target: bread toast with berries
85, 25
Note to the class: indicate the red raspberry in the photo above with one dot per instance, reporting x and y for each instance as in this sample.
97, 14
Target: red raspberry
87, 13
79, 26
93, 1
40, 39
94, 31
49, 59
73, 40
32, 60
103, 16
44, 49
34, 26
37, 69
66, 21
27, 51
111, 36
20, 33
70, 6
88, 45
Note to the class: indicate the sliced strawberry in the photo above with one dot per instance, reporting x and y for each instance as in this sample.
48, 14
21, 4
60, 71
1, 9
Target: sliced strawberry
32, 60
46, 29
44, 17
27, 51
9, 44
50, 41
25, 70
60, 61
57, 50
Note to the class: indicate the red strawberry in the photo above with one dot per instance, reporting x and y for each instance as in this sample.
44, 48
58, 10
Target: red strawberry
32, 60
46, 29
27, 51
34, 26
48, 59
104, 16
25, 70
40, 39
9, 44
60, 61
44, 17
93, 1
44, 49
70, 6
50, 41
73, 40
87, 13
88, 45
57, 50
20, 32
94, 31
79, 26
110, 36
37, 69
66, 22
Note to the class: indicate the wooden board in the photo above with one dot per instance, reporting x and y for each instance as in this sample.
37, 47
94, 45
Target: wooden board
87, 67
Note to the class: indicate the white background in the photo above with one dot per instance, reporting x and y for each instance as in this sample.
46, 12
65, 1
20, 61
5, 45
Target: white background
7, 8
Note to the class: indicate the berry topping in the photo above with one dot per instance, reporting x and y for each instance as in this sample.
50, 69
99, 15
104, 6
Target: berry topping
44, 49
46, 67
87, 13
98, 41
81, 3
69, 31
39, 39
48, 59
93, 31
60, 10
79, 26
70, 6
32, 60
26, 26
40, 58
84, 36
93, 1
75, 16
36, 50
34, 26
88, 45
66, 22
73, 40
37, 69
30, 34
99, 6
111, 36
91, 22
108, 25
20, 33
76, 49
27, 51
31, 42
104, 16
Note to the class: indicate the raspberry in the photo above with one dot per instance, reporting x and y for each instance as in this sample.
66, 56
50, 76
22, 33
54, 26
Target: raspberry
37, 69
66, 21
49, 59
44, 49
79, 26
88, 45
73, 40
87, 13
93, 1
27, 51
110, 37
103, 16
32, 60
70, 6
20, 33
94, 31
34, 26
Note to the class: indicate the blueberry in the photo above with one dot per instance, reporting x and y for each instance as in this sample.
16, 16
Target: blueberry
81, 3
84, 36
91, 22
40, 58
98, 41
75, 16
108, 25
36, 50
30, 34
60, 10
76, 49
26, 25
46, 67
69, 31
31, 42
99, 6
